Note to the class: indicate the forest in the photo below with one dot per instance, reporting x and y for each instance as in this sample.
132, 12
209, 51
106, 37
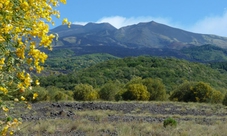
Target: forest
105, 77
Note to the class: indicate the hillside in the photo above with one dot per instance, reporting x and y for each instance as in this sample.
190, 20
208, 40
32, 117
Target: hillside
149, 38
150, 34
171, 71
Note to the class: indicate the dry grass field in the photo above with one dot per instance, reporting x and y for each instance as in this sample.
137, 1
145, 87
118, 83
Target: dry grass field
122, 119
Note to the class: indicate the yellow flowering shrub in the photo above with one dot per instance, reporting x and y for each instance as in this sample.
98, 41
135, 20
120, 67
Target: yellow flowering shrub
24, 29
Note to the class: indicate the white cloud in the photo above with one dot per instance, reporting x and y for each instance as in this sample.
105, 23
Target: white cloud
119, 21
80, 23
211, 25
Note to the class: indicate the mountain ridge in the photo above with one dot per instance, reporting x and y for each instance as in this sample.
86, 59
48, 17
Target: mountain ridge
145, 38
149, 34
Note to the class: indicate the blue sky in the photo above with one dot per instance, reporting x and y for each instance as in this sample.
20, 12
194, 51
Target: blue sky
200, 16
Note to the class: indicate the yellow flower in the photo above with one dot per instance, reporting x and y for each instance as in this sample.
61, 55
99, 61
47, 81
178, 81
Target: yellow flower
11, 133
37, 82
1, 38
20, 53
3, 89
63, 1
5, 109
2, 61
22, 98
29, 106
21, 87
34, 96
65, 21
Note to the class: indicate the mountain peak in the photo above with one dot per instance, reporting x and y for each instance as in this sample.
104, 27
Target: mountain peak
101, 26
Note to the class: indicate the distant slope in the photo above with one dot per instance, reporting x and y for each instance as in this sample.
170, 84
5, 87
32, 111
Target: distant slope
171, 71
64, 61
150, 34
205, 53
157, 35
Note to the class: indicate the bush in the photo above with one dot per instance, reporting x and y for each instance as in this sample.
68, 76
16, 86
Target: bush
156, 89
61, 96
201, 92
108, 91
196, 92
183, 92
91, 96
85, 92
58, 94
224, 102
217, 97
170, 122
119, 95
136, 92
42, 94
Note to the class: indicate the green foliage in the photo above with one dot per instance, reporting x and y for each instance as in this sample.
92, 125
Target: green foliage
224, 102
42, 94
196, 92
119, 95
57, 94
170, 122
64, 60
172, 72
217, 97
91, 96
156, 89
109, 90
136, 92
205, 53
85, 92
201, 92
60, 96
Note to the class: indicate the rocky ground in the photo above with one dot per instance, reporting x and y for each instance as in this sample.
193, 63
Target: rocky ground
127, 112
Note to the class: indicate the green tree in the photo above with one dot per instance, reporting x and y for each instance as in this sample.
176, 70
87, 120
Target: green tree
108, 91
156, 89
136, 92
196, 92
85, 92
224, 102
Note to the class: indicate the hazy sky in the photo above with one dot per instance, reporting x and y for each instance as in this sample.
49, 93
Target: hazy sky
200, 16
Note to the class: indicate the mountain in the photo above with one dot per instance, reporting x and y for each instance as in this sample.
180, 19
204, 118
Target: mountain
157, 35
149, 38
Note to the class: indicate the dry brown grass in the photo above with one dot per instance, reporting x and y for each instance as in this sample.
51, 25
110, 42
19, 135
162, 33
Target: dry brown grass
95, 122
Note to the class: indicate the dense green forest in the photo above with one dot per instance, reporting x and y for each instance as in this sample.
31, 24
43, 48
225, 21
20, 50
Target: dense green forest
65, 60
205, 53
142, 78
171, 71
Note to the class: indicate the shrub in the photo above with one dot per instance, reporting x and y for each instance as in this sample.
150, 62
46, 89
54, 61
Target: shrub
136, 92
182, 92
217, 97
170, 122
108, 91
119, 95
196, 92
84, 92
42, 94
201, 92
61, 96
93, 95
224, 102
156, 89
